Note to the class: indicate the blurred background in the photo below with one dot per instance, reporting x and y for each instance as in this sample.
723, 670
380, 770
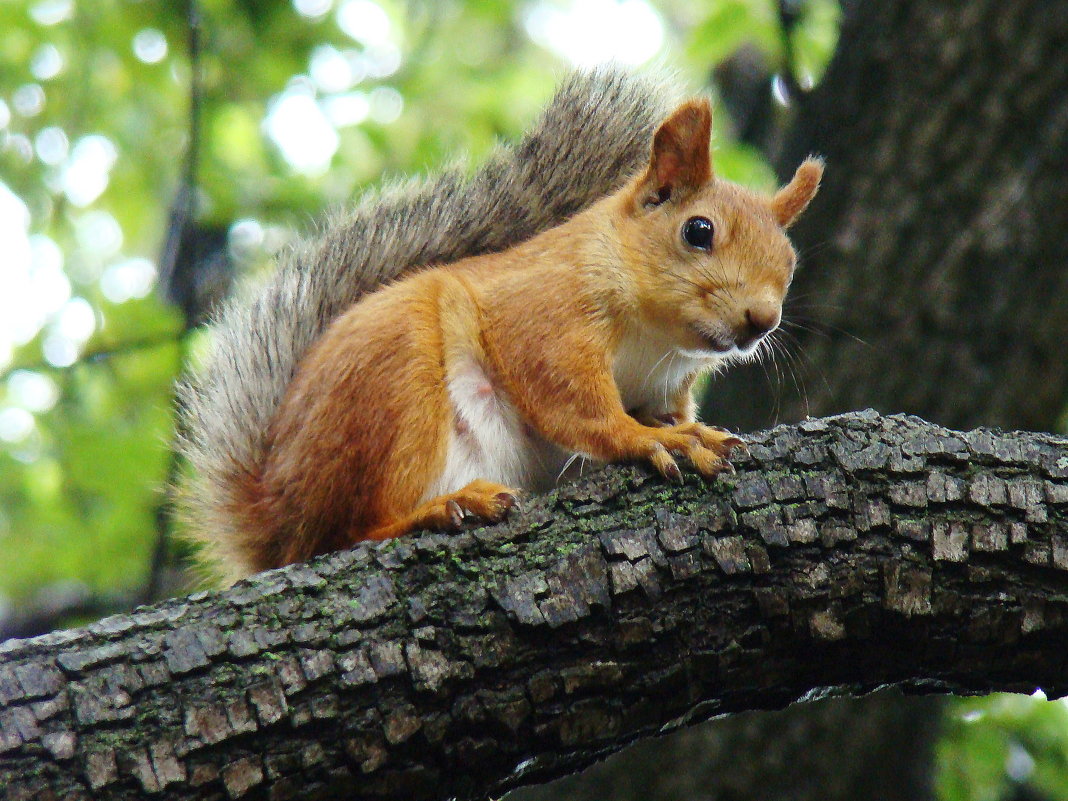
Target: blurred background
153, 151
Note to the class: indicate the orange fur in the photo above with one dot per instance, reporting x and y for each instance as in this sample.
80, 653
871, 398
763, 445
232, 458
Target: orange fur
514, 360
793, 198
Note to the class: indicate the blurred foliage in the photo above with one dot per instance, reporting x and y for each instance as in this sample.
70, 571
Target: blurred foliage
305, 103
1002, 748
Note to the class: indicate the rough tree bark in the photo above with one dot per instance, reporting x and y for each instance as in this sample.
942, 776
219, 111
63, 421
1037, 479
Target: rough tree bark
935, 258
854, 551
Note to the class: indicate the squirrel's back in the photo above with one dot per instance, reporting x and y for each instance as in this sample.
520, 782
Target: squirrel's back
593, 135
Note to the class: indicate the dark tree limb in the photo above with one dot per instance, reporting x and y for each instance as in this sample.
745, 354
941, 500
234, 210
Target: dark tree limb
934, 272
852, 552
59, 602
794, 754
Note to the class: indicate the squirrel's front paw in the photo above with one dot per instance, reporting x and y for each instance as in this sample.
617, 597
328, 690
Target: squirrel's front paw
719, 440
707, 449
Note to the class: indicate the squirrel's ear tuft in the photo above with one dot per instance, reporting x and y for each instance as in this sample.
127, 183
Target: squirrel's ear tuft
679, 160
792, 199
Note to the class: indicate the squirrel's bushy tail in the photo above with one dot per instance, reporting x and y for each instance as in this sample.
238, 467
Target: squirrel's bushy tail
594, 133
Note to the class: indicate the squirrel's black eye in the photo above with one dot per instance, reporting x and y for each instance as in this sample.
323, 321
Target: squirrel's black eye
697, 231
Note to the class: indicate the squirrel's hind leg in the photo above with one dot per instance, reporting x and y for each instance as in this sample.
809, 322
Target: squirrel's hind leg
482, 500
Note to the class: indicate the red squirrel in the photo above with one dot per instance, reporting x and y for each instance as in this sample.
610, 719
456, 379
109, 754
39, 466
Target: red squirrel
444, 395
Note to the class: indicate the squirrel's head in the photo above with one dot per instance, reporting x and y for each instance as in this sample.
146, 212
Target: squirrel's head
712, 259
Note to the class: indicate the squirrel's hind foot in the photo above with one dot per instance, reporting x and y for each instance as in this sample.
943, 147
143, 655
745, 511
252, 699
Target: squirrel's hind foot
481, 500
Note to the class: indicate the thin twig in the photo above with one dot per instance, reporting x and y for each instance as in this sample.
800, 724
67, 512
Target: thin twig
101, 354
181, 219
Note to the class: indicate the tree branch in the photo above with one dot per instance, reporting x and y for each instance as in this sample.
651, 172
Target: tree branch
57, 603
853, 551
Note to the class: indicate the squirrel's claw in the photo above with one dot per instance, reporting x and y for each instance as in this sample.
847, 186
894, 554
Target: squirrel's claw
665, 465
455, 512
732, 443
505, 501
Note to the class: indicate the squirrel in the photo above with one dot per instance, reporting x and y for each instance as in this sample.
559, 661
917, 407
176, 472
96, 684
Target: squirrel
454, 344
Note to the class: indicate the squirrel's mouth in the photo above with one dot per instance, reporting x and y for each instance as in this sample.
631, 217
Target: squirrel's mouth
717, 343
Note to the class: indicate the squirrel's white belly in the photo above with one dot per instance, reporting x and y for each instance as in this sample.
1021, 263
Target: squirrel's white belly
489, 439
648, 371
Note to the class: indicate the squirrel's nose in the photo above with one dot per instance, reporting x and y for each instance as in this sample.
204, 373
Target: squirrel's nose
759, 320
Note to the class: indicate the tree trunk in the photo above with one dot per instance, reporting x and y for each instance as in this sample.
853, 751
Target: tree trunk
935, 258
853, 552
934, 276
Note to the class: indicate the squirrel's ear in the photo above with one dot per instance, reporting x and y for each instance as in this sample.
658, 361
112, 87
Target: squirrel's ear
679, 160
792, 199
